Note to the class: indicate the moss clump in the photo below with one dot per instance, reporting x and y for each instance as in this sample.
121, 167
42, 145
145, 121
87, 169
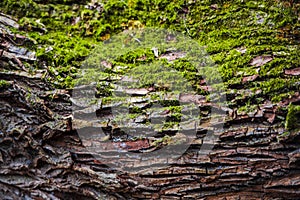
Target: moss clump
293, 117
166, 140
135, 110
247, 109
4, 84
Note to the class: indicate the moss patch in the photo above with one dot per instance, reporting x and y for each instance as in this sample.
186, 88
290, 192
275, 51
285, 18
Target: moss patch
234, 33
4, 84
293, 117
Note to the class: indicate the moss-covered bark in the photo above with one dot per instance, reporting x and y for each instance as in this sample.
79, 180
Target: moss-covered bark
255, 46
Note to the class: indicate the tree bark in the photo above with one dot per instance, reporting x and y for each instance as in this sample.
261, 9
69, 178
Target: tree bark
42, 156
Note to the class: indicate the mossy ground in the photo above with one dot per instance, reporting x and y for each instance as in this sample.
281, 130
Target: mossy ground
66, 31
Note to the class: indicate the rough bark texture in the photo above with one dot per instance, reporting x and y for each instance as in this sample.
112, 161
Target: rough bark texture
42, 156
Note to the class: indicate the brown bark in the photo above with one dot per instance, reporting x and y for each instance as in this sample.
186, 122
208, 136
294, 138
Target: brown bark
42, 156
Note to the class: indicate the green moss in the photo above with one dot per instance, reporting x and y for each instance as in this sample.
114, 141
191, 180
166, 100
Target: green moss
4, 84
174, 109
66, 32
104, 89
246, 109
283, 96
275, 87
135, 109
133, 57
164, 140
170, 125
20, 8
112, 100
293, 117
233, 24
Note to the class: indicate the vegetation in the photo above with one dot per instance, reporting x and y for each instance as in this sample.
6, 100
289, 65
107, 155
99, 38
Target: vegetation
81, 120
3, 84
235, 34
293, 117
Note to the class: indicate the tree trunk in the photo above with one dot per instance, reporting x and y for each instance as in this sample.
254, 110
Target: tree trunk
42, 155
